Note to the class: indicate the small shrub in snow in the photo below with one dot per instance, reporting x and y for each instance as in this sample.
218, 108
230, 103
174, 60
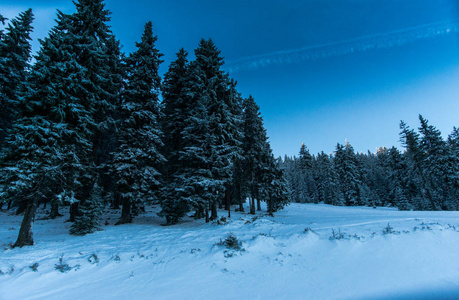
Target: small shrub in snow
231, 242
308, 230
93, 259
228, 254
9, 272
449, 226
115, 258
34, 267
388, 229
336, 235
61, 266
357, 237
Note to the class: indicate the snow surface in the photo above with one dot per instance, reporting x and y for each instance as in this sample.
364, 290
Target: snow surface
279, 260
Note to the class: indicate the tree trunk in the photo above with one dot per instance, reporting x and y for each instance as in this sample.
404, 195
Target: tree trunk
214, 215
22, 206
54, 210
116, 202
207, 215
9, 204
227, 197
25, 237
252, 206
241, 204
228, 201
73, 212
258, 204
125, 213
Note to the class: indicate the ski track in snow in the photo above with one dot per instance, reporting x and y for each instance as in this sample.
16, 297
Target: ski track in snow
145, 260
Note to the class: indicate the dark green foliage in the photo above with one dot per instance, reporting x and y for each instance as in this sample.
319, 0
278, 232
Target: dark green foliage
137, 162
336, 235
34, 267
90, 209
202, 147
61, 266
262, 177
15, 55
424, 177
93, 259
231, 242
388, 229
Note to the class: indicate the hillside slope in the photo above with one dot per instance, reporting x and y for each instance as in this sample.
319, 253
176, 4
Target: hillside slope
417, 256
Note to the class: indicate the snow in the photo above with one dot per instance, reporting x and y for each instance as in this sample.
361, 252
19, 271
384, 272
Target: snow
279, 260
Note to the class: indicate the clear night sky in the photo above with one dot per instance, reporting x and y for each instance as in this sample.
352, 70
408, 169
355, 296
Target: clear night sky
322, 70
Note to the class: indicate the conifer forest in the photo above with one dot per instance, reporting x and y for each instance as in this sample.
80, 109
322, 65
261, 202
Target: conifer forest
85, 127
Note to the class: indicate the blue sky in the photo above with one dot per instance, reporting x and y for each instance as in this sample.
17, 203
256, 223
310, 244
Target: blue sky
380, 61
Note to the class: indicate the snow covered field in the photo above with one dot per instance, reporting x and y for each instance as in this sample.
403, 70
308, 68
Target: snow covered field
417, 258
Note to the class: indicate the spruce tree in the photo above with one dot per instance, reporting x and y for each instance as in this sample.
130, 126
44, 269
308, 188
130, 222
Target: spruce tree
209, 138
414, 157
91, 209
15, 55
56, 129
438, 172
176, 94
97, 51
138, 159
346, 168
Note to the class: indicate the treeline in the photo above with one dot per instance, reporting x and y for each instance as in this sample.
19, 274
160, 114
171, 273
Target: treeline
425, 176
83, 127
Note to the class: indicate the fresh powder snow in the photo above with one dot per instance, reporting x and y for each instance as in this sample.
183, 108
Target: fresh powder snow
306, 251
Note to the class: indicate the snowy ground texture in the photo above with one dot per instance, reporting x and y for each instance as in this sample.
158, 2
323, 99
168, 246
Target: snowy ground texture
418, 258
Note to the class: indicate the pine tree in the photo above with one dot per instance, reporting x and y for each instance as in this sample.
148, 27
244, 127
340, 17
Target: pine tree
223, 118
253, 147
97, 51
174, 103
453, 145
274, 187
439, 173
346, 168
328, 189
55, 130
91, 209
176, 94
29, 167
398, 180
414, 157
138, 160
15, 55
209, 138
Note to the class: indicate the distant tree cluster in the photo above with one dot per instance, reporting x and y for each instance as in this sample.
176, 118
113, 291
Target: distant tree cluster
425, 176
84, 127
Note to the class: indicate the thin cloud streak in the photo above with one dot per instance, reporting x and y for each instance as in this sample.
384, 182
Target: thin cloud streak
361, 44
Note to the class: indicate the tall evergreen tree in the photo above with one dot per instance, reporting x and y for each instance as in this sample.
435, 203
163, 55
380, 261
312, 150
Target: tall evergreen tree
52, 142
15, 55
138, 160
438, 170
416, 188
176, 98
346, 168
209, 138
254, 150
97, 51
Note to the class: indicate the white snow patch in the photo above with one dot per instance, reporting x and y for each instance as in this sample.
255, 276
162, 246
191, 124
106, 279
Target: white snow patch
279, 259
